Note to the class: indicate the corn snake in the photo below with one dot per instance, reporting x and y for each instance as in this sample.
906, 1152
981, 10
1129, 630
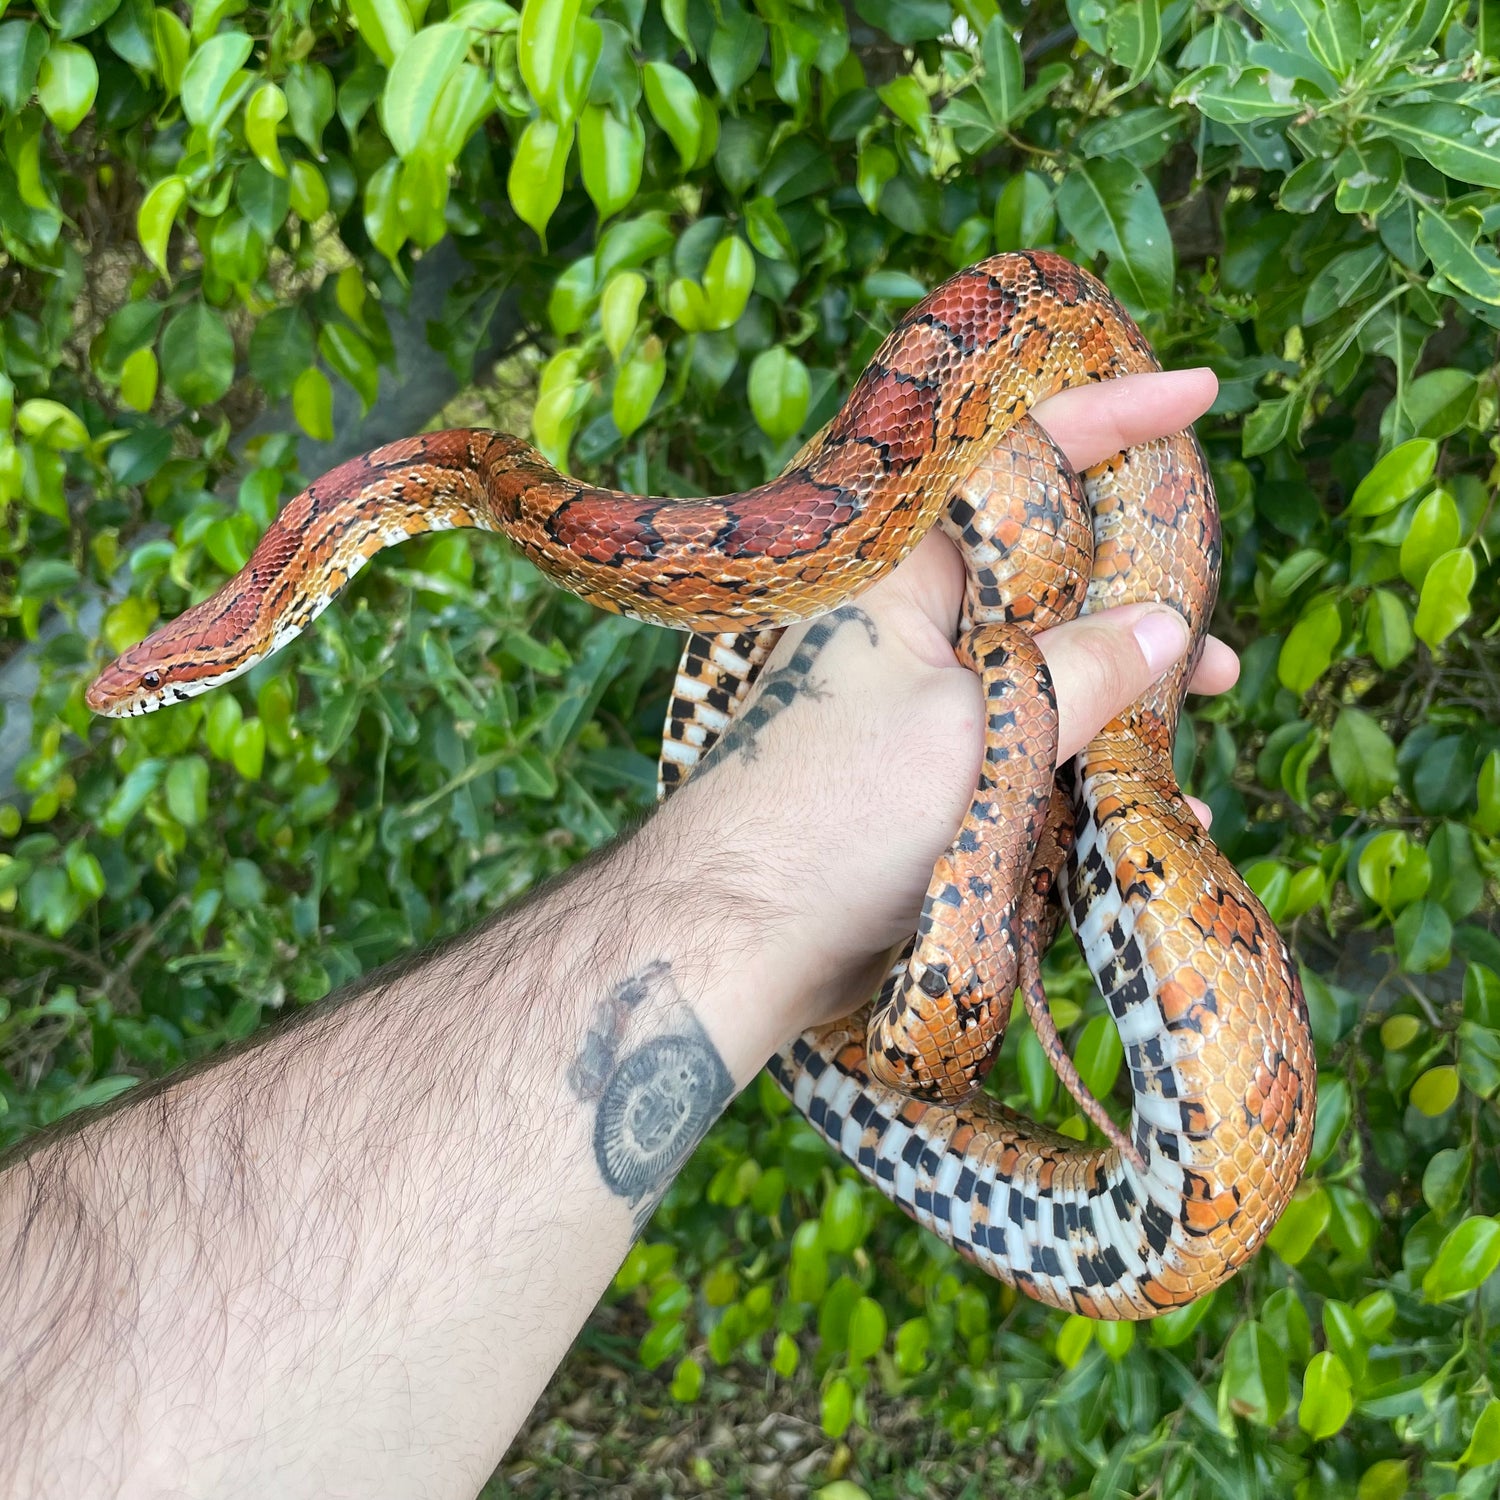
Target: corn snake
934, 432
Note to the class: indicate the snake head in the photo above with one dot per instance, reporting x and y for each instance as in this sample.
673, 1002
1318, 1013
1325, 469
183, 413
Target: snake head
131, 684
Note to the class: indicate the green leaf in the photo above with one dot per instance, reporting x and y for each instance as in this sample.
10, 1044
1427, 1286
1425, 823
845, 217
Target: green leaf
138, 380
843, 1217
1465, 1259
1305, 1218
210, 73
172, 46
384, 24
1436, 1091
312, 404
263, 198
1024, 213
1451, 238
1003, 80
248, 751
611, 152
1241, 96
1115, 1339
1434, 405
281, 348
1484, 1441
264, 111
350, 356
85, 874
130, 796
1133, 37
187, 790
1433, 530
197, 355
1098, 1056
535, 183
1073, 1340
867, 1330
619, 310
1447, 135
1111, 209
1369, 175
23, 45
907, 21
421, 71
1327, 1396
1254, 1382
52, 424
687, 1381
1397, 477
1445, 1180
735, 51
675, 106
1362, 756
727, 281
1444, 602
837, 1408
1487, 793
544, 43
1424, 938
638, 382
1387, 628
308, 192
1308, 649
66, 85
1343, 281
779, 389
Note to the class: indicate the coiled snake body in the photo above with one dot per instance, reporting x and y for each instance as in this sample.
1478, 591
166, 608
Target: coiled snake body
1197, 979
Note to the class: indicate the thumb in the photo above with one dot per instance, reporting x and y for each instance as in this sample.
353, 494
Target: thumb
1102, 663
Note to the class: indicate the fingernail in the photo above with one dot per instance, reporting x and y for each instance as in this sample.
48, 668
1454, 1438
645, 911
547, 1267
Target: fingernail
1162, 635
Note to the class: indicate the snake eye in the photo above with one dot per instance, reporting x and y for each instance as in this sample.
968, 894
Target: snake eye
151, 680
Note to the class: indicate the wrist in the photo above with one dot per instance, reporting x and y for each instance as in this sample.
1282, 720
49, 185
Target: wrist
731, 917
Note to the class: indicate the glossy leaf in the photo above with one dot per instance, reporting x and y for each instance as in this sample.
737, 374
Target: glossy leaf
1111, 209
66, 85
1466, 1258
1327, 1397
611, 152
779, 393
535, 183
1444, 602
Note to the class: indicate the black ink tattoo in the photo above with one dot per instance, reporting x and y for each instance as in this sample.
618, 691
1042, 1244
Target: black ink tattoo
781, 688
654, 1103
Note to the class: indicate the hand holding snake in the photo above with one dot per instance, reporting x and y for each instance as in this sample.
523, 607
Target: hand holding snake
936, 432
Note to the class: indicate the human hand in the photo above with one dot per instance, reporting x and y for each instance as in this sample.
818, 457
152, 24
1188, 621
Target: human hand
857, 782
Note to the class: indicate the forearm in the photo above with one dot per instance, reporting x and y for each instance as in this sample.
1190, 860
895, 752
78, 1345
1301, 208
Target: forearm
347, 1259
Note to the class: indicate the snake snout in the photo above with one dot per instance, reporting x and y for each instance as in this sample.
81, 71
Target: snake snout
124, 688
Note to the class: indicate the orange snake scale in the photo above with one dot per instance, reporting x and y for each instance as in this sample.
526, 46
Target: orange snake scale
935, 432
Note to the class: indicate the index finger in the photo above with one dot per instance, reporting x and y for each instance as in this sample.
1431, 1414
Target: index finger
1093, 422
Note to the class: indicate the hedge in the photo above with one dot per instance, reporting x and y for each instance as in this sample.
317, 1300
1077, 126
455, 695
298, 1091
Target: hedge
704, 214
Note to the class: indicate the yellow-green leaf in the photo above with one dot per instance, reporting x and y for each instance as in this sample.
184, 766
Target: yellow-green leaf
619, 310
1444, 602
638, 382
535, 183
155, 217
265, 110
138, 378
544, 44
384, 24
674, 104
611, 152
66, 85
312, 404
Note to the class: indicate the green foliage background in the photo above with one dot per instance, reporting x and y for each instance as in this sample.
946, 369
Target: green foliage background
706, 213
